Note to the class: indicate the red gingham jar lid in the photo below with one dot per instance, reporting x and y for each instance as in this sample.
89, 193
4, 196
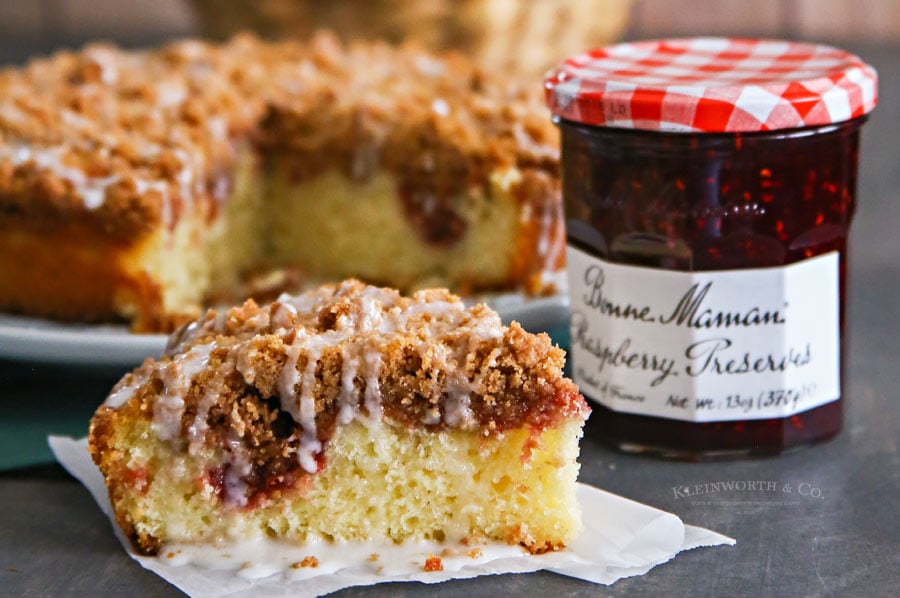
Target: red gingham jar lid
712, 85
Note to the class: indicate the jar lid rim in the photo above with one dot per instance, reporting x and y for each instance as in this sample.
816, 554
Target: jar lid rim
712, 84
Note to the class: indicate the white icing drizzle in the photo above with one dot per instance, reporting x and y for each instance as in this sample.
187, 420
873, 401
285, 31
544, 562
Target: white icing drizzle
369, 315
123, 394
365, 318
457, 412
258, 321
434, 313
372, 395
347, 399
283, 315
196, 432
240, 466
177, 376
302, 407
488, 327
263, 557
287, 380
309, 442
447, 334
180, 337
376, 310
92, 190
304, 303
458, 388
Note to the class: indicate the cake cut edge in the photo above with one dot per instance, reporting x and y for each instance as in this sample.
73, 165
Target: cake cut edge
499, 467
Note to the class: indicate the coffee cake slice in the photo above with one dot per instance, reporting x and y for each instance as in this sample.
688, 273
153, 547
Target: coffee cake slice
349, 413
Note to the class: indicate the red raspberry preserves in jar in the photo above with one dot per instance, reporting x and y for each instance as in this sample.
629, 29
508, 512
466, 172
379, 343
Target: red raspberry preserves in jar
703, 156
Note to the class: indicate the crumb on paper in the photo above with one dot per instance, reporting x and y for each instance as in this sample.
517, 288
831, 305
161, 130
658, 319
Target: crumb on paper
373, 557
170, 555
307, 562
475, 553
433, 563
448, 552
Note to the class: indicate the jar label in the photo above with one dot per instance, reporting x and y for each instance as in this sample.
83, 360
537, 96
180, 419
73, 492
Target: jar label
705, 346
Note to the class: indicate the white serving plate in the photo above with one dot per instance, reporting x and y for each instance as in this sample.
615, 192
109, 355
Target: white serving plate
34, 339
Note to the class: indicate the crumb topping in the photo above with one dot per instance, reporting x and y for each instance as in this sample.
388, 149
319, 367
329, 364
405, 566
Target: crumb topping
129, 139
274, 381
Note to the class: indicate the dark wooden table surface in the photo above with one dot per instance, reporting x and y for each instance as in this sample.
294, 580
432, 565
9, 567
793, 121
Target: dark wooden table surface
836, 532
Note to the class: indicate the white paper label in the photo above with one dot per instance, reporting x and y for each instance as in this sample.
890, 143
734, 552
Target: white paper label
705, 346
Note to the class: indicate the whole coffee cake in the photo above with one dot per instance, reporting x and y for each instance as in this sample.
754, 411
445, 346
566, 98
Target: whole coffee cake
143, 185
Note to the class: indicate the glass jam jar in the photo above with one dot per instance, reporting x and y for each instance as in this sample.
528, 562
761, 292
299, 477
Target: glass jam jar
709, 185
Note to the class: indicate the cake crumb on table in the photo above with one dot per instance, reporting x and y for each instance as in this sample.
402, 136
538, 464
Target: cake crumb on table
308, 561
433, 563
